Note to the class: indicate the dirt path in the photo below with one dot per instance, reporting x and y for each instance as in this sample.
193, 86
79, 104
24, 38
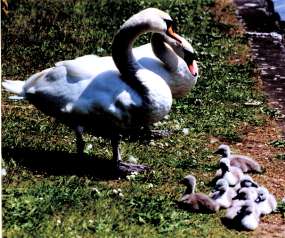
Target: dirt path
268, 53
268, 50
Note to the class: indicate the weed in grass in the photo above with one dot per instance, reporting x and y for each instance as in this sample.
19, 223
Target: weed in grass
281, 208
278, 143
280, 156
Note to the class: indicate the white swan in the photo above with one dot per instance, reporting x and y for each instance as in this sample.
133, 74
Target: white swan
107, 103
244, 194
266, 202
248, 216
246, 182
197, 202
232, 174
223, 193
244, 213
174, 61
245, 163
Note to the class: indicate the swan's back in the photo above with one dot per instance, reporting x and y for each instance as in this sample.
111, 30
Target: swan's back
70, 90
198, 202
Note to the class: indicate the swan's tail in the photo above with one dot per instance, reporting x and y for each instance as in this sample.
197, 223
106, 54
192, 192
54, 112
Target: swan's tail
14, 86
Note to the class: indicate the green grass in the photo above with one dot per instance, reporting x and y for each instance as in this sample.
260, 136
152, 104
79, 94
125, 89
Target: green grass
47, 192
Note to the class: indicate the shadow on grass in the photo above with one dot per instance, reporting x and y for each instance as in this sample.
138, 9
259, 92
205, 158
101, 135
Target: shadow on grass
61, 163
234, 224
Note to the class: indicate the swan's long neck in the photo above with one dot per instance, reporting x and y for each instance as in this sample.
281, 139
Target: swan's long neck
123, 55
190, 187
155, 94
164, 51
122, 49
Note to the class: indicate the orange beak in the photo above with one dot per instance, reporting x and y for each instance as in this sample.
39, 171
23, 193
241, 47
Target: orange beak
172, 34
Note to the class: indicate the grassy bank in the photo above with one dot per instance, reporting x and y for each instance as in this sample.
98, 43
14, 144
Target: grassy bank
47, 192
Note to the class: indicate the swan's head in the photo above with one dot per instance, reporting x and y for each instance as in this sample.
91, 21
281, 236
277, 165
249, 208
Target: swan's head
190, 182
263, 193
247, 181
151, 20
223, 150
225, 164
181, 47
246, 194
221, 185
185, 50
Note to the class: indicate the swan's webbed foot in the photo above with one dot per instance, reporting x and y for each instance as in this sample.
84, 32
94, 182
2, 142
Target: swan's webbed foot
123, 168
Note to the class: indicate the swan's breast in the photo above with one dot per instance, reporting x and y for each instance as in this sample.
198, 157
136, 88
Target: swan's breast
159, 94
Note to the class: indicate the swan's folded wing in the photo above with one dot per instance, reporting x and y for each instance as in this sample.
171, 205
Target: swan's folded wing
86, 67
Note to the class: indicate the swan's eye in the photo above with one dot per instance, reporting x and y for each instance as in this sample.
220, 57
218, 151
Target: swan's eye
170, 32
169, 23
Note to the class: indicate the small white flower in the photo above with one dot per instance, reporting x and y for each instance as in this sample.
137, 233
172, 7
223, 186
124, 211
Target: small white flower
91, 221
95, 190
58, 221
121, 195
133, 159
88, 148
152, 143
115, 191
132, 176
3, 172
150, 185
119, 190
185, 131
166, 117
157, 124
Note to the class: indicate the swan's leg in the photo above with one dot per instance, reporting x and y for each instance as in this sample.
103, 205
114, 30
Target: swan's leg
123, 167
80, 144
115, 141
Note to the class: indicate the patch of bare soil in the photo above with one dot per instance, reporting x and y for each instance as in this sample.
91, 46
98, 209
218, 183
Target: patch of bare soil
257, 144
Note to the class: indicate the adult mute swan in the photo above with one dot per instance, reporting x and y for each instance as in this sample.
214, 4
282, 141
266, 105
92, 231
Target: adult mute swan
174, 61
107, 103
